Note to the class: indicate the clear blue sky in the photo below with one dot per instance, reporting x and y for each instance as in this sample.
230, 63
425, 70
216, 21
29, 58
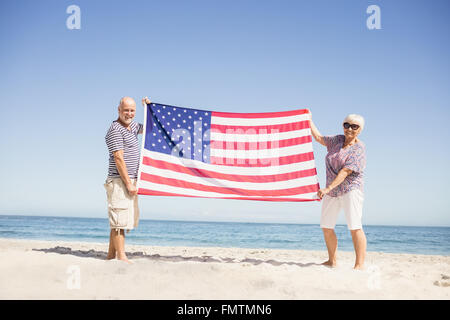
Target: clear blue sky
60, 88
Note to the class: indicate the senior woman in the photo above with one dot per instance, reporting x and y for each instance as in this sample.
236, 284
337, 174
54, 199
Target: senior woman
345, 163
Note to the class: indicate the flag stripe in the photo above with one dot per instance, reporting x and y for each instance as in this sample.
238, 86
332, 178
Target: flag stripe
258, 129
226, 183
259, 115
163, 183
261, 154
222, 136
304, 197
267, 162
255, 171
149, 164
260, 145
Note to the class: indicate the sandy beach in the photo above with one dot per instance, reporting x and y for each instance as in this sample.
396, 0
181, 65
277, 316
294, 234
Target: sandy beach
75, 270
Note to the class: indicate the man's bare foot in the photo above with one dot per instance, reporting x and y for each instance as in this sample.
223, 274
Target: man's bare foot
111, 256
358, 267
329, 263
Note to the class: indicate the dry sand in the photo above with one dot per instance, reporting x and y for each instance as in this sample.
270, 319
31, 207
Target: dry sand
75, 270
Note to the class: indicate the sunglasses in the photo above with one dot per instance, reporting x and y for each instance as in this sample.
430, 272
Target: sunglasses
348, 125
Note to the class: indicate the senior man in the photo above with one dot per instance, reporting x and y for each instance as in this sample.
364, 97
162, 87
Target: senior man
123, 146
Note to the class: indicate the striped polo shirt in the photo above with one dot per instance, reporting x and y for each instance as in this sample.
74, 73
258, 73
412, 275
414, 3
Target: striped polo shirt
120, 138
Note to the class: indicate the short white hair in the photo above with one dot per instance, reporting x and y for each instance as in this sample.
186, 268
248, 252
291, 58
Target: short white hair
355, 118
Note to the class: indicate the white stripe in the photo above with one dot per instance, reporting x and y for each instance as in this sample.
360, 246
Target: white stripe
209, 194
250, 137
257, 171
213, 182
262, 153
257, 121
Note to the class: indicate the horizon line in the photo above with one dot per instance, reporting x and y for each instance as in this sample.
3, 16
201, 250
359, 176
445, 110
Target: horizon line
224, 221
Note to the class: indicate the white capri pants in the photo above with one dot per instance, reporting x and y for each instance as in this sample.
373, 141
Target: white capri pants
351, 202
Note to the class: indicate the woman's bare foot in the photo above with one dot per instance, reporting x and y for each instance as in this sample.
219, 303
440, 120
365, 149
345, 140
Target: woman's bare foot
124, 258
330, 263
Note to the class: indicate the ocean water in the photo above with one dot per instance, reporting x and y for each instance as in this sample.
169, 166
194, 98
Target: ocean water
393, 239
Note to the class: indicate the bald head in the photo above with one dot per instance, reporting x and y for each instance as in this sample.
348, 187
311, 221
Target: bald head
127, 102
127, 110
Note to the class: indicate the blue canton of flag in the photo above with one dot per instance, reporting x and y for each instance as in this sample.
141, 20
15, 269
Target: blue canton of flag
179, 132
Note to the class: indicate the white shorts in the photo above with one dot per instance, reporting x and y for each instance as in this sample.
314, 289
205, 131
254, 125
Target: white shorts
351, 202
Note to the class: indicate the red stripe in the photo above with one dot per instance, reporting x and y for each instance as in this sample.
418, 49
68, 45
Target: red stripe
258, 115
236, 191
230, 177
263, 129
148, 192
267, 162
214, 144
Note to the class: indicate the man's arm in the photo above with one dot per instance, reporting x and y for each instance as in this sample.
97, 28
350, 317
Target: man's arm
122, 168
145, 102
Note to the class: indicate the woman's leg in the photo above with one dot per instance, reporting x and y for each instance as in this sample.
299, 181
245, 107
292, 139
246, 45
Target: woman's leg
353, 206
360, 244
331, 242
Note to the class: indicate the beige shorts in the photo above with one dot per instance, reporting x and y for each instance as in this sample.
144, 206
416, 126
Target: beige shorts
352, 204
123, 210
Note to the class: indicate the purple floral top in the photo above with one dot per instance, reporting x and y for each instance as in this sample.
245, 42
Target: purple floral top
352, 157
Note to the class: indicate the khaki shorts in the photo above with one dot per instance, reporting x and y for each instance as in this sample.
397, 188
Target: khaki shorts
123, 210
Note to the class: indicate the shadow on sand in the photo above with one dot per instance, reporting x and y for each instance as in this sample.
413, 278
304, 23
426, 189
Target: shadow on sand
156, 257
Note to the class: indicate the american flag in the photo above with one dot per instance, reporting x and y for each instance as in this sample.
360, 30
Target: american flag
252, 156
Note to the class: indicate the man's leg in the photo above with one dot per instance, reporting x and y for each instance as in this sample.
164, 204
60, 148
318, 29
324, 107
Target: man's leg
360, 244
112, 249
119, 244
331, 242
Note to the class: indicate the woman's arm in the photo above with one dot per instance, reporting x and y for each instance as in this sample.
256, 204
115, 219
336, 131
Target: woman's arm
314, 131
337, 181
